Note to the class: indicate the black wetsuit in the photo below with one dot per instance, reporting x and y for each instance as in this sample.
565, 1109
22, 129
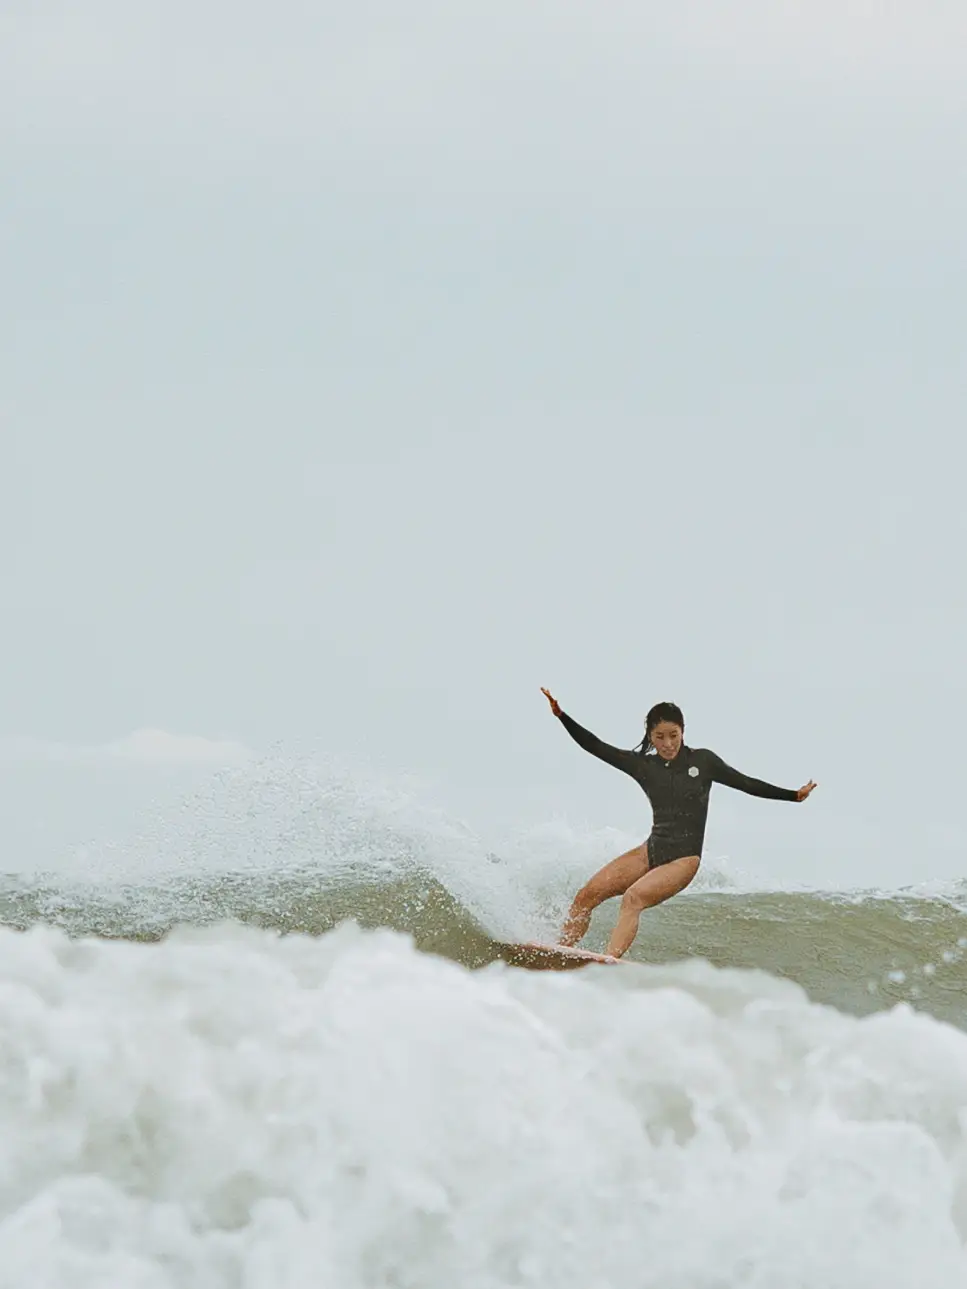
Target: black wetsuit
678, 790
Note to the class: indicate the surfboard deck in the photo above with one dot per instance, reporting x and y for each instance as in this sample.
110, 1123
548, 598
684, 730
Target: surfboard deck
551, 957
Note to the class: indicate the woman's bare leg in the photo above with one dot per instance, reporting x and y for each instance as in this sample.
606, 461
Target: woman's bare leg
657, 885
614, 879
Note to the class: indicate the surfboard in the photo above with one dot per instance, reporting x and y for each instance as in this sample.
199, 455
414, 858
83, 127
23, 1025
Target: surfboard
550, 957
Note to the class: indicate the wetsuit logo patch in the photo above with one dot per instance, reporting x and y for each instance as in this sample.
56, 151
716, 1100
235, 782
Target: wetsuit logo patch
693, 771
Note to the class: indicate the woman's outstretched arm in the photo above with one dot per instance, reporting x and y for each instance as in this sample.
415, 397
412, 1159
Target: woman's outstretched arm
620, 758
723, 773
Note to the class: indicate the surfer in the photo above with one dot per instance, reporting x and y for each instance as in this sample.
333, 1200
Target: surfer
677, 781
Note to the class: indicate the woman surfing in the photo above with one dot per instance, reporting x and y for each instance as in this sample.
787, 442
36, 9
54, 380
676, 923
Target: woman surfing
677, 781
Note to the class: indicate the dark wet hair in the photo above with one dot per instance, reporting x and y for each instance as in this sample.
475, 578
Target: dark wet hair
660, 712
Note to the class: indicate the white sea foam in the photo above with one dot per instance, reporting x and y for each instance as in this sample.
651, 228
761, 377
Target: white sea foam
231, 1109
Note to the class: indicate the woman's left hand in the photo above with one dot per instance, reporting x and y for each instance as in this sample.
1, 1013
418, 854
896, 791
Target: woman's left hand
804, 791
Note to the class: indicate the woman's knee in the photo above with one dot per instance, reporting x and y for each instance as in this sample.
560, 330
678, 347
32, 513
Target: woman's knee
594, 892
634, 900
615, 878
660, 883
590, 895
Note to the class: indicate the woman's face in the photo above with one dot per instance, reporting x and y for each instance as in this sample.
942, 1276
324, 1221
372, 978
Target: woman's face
666, 739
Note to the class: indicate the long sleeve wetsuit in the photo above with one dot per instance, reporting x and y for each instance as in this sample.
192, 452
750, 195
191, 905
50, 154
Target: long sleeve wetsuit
678, 790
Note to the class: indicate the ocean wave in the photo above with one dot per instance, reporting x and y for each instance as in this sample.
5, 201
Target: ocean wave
302, 848
229, 1107
860, 955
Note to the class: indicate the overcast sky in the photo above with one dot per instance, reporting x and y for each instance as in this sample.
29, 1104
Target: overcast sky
365, 367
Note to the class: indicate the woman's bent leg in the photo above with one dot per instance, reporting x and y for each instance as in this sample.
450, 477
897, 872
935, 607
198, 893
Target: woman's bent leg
657, 885
614, 879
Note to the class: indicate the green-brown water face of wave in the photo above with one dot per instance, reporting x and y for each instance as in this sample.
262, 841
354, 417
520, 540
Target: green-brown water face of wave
858, 954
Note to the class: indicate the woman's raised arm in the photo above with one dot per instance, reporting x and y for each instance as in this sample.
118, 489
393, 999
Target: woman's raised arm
620, 758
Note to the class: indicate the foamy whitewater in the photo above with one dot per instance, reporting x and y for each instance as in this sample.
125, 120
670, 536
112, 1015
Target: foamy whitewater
211, 1078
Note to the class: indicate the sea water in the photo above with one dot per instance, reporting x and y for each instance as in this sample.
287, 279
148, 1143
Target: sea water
274, 1046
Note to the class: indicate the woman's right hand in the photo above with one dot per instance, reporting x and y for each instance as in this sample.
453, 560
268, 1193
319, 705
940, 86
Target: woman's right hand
555, 705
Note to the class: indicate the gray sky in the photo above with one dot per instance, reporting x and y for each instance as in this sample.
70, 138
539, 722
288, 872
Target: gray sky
365, 367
